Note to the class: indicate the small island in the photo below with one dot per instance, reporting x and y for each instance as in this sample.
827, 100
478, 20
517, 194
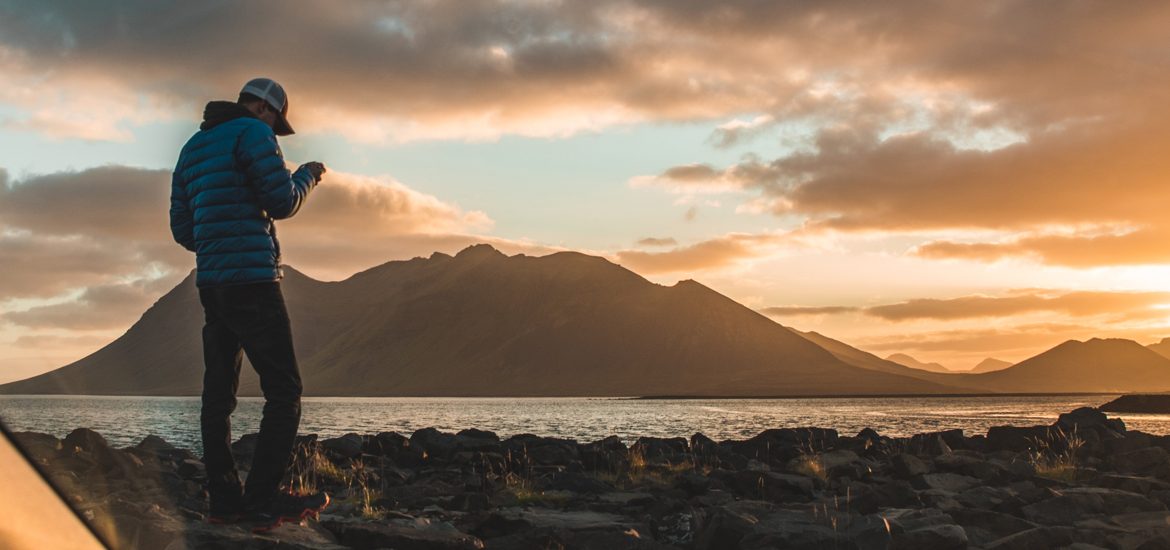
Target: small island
1158, 403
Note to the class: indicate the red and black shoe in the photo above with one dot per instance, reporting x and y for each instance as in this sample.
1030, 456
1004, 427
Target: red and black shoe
286, 508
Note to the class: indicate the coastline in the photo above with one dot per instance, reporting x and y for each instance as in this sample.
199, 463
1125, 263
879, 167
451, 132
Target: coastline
1085, 478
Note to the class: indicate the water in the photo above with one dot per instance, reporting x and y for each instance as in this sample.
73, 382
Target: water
126, 420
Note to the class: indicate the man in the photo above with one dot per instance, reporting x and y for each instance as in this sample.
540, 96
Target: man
228, 187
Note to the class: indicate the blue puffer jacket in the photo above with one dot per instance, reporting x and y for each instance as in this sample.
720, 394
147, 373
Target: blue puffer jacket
229, 185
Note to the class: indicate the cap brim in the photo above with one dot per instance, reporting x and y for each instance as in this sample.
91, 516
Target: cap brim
282, 127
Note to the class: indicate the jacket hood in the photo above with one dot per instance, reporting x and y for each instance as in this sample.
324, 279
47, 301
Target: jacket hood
219, 112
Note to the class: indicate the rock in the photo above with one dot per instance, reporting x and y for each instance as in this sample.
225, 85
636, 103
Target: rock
1142, 461
953, 483
1040, 537
473, 440
906, 466
940, 537
778, 446
192, 469
578, 483
986, 526
656, 448
347, 446
41, 447
1089, 418
937, 443
724, 529
388, 444
1075, 503
85, 439
470, 502
434, 443
1015, 438
400, 537
972, 466
155, 445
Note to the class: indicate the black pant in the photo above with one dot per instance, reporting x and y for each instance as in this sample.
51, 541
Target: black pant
251, 318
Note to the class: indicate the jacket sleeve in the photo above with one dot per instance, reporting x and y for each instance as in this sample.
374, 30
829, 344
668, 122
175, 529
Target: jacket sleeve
182, 222
281, 193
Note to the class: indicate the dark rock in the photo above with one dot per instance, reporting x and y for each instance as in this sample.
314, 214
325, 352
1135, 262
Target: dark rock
725, 528
1016, 438
470, 502
85, 439
192, 469
941, 537
1089, 418
656, 448
1040, 537
41, 447
400, 537
578, 483
971, 466
347, 446
386, 444
693, 483
1075, 503
1142, 461
434, 443
154, 444
986, 526
906, 466
781, 445
953, 483
937, 443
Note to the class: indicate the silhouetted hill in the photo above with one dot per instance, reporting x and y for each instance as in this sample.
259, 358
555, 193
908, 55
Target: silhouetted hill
482, 323
1096, 365
908, 361
989, 364
1161, 348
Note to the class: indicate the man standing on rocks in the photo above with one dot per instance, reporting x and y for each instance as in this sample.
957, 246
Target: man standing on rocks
228, 187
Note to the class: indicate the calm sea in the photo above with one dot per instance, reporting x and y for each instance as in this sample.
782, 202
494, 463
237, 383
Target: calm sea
126, 420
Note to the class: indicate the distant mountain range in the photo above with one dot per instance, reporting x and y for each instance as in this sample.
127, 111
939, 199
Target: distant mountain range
990, 364
484, 324
906, 360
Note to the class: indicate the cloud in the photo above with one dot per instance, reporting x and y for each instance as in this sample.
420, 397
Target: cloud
97, 308
482, 68
1140, 247
655, 241
794, 311
1119, 306
717, 253
1074, 304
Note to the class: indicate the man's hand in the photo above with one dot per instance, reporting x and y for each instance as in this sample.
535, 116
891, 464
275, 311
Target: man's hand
315, 168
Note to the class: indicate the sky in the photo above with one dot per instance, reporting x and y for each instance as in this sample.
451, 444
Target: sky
950, 180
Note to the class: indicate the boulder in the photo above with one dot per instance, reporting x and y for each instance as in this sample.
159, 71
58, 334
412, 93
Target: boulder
940, 537
362, 535
348, 446
1089, 418
657, 448
85, 439
1142, 461
953, 483
434, 443
905, 466
387, 444
1016, 438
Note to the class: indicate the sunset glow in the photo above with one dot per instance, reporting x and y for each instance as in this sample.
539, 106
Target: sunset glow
950, 181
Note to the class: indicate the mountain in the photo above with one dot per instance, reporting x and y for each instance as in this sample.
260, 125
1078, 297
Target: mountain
866, 360
990, 364
1161, 348
1096, 365
907, 361
484, 324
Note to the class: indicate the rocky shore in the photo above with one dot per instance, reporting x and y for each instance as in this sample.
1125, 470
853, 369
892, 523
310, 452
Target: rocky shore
1083, 482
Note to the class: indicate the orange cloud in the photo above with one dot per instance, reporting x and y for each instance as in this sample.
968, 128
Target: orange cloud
715, 253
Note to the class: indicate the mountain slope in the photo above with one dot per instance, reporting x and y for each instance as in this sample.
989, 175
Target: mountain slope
1096, 365
908, 361
1161, 348
866, 360
482, 323
989, 364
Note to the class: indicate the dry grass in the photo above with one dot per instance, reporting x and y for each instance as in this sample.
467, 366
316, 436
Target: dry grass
1057, 458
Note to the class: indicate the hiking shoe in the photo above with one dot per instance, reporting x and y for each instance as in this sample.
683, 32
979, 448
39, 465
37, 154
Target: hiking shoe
286, 508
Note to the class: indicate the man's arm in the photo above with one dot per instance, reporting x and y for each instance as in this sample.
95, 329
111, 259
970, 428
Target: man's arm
281, 193
182, 223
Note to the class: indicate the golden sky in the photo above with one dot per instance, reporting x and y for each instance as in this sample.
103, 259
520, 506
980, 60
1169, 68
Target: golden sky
952, 180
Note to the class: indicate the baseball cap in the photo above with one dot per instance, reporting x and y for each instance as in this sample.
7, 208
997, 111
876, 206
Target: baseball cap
272, 93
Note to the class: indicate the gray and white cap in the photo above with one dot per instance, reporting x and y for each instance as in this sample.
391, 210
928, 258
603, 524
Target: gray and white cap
273, 94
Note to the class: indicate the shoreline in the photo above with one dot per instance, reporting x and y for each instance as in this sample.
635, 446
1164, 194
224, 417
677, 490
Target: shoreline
1085, 478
